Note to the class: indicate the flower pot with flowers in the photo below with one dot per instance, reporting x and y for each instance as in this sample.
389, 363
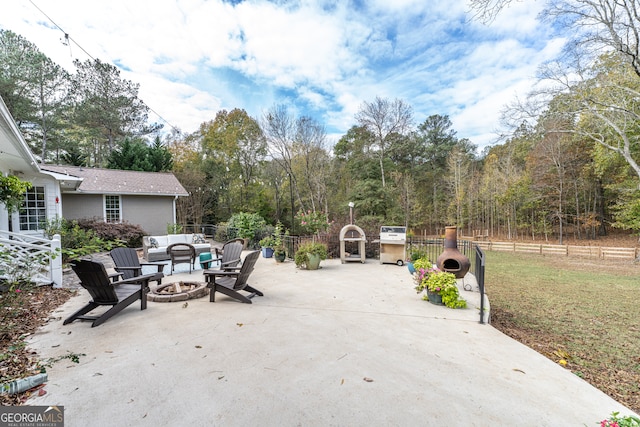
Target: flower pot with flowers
423, 269
440, 287
416, 253
615, 420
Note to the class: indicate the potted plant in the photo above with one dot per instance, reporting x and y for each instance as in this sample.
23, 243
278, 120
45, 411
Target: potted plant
440, 287
310, 254
415, 253
268, 244
422, 269
279, 251
617, 421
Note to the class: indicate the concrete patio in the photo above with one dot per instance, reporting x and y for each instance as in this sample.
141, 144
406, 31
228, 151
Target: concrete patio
348, 345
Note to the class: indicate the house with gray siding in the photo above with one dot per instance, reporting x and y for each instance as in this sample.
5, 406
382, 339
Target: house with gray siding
147, 199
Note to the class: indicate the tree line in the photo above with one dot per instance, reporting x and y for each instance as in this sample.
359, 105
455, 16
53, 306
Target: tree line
566, 167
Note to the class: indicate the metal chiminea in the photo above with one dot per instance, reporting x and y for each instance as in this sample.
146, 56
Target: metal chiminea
451, 259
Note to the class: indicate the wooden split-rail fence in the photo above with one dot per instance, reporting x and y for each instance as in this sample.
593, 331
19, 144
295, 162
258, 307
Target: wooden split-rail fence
600, 252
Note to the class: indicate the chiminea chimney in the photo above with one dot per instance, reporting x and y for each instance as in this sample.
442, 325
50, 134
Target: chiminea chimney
451, 259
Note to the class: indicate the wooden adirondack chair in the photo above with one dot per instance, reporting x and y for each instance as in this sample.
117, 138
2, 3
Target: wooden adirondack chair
94, 278
229, 255
231, 283
127, 263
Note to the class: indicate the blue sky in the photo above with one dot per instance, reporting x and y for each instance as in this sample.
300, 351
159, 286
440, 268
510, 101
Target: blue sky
193, 58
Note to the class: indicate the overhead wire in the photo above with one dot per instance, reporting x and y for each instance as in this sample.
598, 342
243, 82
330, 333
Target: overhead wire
68, 39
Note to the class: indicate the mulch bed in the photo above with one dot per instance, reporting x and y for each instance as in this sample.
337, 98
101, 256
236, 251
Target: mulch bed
21, 314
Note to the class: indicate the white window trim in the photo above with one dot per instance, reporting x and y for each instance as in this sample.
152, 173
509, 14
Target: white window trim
104, 206
19, 213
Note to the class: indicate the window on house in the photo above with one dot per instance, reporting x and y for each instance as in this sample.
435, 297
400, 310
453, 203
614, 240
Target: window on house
112, 208
33, 212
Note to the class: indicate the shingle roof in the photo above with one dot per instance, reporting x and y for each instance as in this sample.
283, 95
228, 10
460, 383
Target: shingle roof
113, 181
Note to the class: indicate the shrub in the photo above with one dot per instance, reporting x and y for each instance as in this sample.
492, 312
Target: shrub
12, 191
247, 224
224, 233
130, 234
77, 242
174, 229
312, 222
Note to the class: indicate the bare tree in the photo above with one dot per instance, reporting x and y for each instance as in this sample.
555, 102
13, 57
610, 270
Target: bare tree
383, 118
600, 103
593, 24
279, 129
598, 24
314, 159
486, 10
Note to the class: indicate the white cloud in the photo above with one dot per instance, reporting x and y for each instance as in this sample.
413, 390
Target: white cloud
194, 57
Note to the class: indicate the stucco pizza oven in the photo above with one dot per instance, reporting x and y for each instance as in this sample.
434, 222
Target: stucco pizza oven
354, 237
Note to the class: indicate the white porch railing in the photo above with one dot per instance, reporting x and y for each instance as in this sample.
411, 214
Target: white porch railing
25, 250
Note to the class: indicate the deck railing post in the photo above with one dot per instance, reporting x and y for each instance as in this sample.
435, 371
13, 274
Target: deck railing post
479, 272
55, 261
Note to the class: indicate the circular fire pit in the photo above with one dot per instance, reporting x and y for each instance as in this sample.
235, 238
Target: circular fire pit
178, 291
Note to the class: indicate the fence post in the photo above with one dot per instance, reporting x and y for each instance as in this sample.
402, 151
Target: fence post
55, 261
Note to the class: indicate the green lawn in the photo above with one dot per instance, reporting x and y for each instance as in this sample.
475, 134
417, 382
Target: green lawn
582, 311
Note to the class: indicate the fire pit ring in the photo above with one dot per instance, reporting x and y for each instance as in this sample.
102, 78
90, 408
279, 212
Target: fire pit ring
178, 291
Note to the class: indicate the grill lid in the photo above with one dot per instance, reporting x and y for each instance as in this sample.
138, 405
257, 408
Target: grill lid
393, 234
